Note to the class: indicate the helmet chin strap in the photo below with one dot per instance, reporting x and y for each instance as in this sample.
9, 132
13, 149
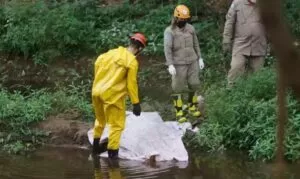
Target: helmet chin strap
138, 52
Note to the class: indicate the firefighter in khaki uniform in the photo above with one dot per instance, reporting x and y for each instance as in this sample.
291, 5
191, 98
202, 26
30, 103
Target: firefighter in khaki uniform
244, 37
183, 58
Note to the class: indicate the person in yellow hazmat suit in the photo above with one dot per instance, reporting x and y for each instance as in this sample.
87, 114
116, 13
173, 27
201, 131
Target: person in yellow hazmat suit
115, 77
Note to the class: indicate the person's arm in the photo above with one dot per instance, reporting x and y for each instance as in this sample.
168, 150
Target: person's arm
132, 85
196, 44
229, 24
168, 46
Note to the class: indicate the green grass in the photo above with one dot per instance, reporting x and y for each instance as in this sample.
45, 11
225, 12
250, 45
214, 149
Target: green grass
245, 118
19, 112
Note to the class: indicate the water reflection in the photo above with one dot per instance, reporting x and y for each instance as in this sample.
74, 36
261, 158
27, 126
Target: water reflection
113, 169
57, 163
116, 169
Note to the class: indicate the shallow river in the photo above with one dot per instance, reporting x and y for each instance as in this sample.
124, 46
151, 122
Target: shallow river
62, 163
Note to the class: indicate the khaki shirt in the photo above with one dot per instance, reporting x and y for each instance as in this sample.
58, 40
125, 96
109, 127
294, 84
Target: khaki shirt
244, 29
181, 46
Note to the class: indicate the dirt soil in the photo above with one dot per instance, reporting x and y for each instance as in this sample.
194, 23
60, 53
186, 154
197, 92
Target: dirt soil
66, 129
17, 72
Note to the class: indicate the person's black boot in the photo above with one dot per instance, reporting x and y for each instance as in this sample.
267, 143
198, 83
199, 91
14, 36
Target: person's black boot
99, 147
113, 154
96, 146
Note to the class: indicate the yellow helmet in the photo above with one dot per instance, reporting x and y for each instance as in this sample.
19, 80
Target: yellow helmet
181, 11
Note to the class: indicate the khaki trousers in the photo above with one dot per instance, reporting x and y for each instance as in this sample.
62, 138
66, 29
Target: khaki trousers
186, 76
238, 66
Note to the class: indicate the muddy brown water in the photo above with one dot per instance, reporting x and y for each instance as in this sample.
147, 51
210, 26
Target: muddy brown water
66, 163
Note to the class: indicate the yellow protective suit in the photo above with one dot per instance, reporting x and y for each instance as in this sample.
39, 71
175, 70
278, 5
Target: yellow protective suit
115, 77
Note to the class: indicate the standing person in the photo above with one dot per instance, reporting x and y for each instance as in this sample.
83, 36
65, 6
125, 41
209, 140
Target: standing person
115, 77
245, 33
183, 57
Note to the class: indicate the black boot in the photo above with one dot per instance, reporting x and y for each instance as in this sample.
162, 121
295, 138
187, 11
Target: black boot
178, 104
99, 147
193, 105
113, 154
96, 146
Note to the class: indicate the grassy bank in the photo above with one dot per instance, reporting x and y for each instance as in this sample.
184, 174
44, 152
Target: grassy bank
20, 112
245, 118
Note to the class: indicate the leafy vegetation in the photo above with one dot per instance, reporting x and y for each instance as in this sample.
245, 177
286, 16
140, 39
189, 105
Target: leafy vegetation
245, 118
43, 31
19, 112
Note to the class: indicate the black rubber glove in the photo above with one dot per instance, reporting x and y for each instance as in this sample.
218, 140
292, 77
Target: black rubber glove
137, 109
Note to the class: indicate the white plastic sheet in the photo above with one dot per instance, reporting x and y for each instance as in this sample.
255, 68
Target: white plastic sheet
149, 135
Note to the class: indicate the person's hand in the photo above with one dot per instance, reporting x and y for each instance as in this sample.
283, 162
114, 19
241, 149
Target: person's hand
201, 63
227, 47
172, 70
137, 109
